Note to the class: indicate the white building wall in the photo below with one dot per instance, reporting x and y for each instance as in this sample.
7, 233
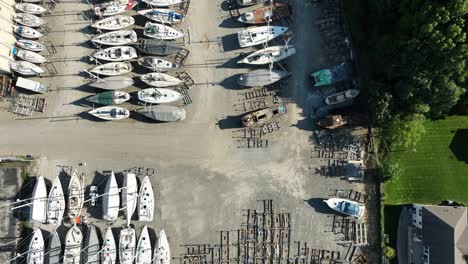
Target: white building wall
7, 38
417, 216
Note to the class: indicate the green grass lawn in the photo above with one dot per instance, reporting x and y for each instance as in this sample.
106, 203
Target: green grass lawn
432, 172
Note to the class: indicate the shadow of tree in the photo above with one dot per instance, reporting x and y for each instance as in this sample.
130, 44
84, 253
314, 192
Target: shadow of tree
459, 145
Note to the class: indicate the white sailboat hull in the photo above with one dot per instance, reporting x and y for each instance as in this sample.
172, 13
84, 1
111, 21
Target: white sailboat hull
36, 248
39, 201
157, 79
144, 252
116, 38
162, 3
30, 8
114, 22
159, 95
29, 56
259, 35
162, 251
27, 32
28, 20
111, 199
55, 203
129, 195
26, 68
145, 207
73, 239
127, 246
110, 113
109, 251
75, 196
30, 45
160, 31
113, 68
269, 55
162, 15
119, 53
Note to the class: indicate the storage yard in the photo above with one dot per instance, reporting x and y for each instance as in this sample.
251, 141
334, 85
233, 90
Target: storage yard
212, 172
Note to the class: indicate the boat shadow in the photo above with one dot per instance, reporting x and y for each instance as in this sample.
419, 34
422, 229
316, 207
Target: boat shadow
232, 63
23, 213
320, 206
231, 83
231, 22
227, 5
230, 42
230, 122
86, 116
99, 180
141, 118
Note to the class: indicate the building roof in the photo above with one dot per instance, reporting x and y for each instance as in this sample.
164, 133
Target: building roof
445, 232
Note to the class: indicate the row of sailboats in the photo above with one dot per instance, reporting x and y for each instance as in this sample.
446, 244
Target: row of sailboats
141, 200
79, 249
50, 208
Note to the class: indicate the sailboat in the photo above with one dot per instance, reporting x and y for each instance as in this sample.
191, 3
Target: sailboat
111, 199
158, 79
159, 95
113, 68
127, 244
269, 55
162, 15
91, 246
119, 53
28, 20
36, 248
30, 8
157, 64
145, 207
162, 251
27, 32
113, 7
159, 47
39, 201
75, 196
129, 195
114, 22
110, 113
28, 55
261, 77
72, 253
116, 38
144, 254
109, 249
163, 113
30, 45
162, 2
55, 249
113, 83
259, 35
109, 98
55, 203
160, 31
26, 68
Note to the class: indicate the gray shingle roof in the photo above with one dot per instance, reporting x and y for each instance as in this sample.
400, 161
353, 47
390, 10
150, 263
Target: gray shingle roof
445, 232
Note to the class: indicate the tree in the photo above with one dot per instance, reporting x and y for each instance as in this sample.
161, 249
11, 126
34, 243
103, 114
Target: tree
421, 61
392, 170
403, 133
